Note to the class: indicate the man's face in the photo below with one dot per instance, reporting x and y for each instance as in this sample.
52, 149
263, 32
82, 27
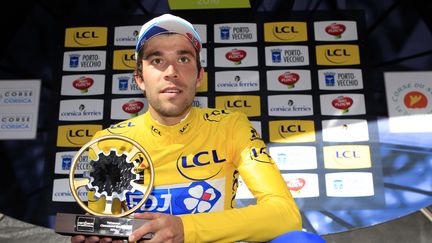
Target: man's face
169, 75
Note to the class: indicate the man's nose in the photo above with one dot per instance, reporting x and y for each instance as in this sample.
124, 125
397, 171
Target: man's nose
171, 72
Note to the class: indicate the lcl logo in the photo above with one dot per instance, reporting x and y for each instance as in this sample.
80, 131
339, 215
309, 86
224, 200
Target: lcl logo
211, 159
129, 57
284, 29
86, 35
337, 53
291, 129
237, 104
80, 133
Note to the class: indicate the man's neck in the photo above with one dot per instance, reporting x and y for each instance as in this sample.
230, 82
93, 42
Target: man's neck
169, 121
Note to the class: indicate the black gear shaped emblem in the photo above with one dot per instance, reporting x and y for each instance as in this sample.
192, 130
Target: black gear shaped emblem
111, 176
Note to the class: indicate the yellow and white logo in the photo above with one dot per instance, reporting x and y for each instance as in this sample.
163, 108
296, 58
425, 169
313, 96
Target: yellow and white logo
124, 59
334, 55
285, 32
86, 37
292, 131
248, 104
76, 135
347, 157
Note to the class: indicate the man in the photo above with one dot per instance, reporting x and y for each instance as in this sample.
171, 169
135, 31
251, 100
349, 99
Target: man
198, 154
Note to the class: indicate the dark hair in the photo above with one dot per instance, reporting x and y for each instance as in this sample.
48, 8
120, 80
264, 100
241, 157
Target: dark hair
138, 67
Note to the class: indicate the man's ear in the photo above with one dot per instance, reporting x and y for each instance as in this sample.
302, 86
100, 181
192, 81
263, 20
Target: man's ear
200, 77
139, 80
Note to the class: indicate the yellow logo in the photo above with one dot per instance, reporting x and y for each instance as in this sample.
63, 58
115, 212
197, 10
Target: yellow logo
285, 32
292, 131
248, 104
76, 135
124, 59
86, 37
337, 55
204, 83
347, 157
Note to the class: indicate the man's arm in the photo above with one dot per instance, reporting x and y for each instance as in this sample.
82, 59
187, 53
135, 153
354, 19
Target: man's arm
275, 212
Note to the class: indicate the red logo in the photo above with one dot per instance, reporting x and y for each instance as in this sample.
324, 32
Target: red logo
289, 79
342, 103
335, 29
83, 83
133, 107
296, 184
236, 55
415, 100
195, 42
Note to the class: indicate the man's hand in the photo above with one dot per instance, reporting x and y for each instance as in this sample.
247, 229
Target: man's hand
92, 239
165, 227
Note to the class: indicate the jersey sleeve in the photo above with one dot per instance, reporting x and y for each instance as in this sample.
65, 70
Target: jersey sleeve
275, 211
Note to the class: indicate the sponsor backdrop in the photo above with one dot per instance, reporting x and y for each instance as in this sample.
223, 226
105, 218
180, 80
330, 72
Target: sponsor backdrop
19, 109
301, 80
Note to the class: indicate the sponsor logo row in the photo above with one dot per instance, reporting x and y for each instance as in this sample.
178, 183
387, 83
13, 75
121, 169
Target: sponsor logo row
227, 57
293, 31
296, 105
185, 198
225, 81
306, 185
286, 158
281, 131
301, 185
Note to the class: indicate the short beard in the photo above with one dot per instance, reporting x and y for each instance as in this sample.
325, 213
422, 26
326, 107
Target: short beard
173, 112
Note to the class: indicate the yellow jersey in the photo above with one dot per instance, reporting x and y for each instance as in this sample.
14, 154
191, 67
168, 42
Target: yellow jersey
197, 164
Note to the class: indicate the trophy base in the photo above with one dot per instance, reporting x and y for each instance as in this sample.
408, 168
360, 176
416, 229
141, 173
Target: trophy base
81, 224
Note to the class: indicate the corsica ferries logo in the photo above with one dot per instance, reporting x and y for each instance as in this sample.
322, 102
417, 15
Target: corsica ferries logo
249, 104
124, 59
338, 55
285, 32
292, 131
212, 160
86, 37
76, 135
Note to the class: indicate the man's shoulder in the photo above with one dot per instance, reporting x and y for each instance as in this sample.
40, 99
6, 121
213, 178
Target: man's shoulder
125, 127
218, 115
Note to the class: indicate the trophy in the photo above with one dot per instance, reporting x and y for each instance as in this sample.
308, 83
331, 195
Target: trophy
117, 166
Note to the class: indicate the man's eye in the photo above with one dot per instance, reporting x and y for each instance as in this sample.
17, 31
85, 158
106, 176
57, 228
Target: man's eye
184, 59
156, 61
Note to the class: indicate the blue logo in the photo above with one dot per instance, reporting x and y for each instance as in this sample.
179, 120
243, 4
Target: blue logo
74, 60
224, 32
276, 55
66, 162
123, 83
198, 197
329, 79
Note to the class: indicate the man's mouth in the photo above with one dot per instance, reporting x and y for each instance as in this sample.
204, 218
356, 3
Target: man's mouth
171, 91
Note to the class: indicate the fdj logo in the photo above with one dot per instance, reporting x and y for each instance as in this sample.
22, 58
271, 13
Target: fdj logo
85, 35
210, 159
197, 197
237, 104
